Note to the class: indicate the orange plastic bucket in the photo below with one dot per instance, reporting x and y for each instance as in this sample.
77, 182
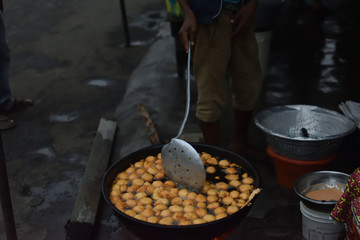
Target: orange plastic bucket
288, 170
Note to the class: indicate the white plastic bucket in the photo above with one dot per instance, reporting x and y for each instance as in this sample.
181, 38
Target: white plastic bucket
264, 41
319, 225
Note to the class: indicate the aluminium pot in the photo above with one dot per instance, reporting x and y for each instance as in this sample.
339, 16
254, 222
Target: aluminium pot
204, 231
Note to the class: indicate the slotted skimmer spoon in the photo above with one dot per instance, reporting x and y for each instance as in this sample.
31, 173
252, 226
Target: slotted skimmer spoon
181, 162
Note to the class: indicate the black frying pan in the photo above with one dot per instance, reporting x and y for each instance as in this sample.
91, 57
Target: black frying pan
163, 232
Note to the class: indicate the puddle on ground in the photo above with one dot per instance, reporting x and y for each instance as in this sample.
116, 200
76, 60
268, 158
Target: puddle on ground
64, 117
57, 190
99, 82
47, 151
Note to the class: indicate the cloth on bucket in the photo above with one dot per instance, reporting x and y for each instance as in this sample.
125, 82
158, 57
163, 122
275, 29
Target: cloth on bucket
351, 109
347, 209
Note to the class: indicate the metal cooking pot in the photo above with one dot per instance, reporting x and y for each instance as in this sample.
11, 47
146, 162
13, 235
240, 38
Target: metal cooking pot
204, 231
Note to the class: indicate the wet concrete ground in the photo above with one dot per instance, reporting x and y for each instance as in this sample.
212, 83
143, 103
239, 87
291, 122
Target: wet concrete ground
313, 61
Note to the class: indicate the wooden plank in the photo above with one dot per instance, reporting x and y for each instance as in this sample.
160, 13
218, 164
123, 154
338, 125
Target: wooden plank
87, 201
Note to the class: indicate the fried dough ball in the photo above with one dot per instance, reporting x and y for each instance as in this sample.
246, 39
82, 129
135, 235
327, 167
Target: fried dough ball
142, 188
201, 212
232, 209
184, 222
248, 180
224, 163
245, 187
120, 205
175, 208
115, 193
131, 203
223, 193
244, 195
212, 198
183, 193
166, 221
220, 216
205, 156
140, 171
190, 216
211, 170
219, 210
160, 207
169, 184
222, 186
130, 169
232, 177
146, 201
160, 175
130, 212
157, 184
234, 194
152, 219
139, 164
187, 202
213, 205
138, 182
139, 208
199, 221
212, 161
140, 195
200, 198
133, 176
189, 208
176, 201
235, 183
177, 216
122, 182
165, 213
132, 188
228, 200
230, 170
191, 195
206, 187
147, 212
147, 177
201, 205
123, 175
208, 218
163, 201
127, 196
211, 192
153, 170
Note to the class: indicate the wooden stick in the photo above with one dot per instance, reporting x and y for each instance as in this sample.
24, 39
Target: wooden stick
150, 127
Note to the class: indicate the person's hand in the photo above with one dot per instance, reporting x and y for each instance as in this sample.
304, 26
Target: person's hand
244, 17
187, 31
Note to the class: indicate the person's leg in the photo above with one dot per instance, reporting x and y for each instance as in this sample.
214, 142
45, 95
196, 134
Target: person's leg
246, 82
210, 60
211, 132
6, 100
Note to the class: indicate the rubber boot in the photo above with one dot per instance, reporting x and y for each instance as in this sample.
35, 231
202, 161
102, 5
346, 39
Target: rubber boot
211, 132
241, 126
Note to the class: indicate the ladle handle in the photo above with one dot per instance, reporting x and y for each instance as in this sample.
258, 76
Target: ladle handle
187, 94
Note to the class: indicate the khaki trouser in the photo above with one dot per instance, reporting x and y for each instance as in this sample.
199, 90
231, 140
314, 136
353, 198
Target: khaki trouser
216, 57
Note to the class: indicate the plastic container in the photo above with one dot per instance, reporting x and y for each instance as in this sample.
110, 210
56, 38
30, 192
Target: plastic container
263, 40
288, 170
318, 225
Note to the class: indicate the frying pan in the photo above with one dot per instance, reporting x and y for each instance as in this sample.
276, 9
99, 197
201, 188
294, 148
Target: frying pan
150, 231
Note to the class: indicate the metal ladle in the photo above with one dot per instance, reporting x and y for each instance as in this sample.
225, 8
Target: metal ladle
181, 162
